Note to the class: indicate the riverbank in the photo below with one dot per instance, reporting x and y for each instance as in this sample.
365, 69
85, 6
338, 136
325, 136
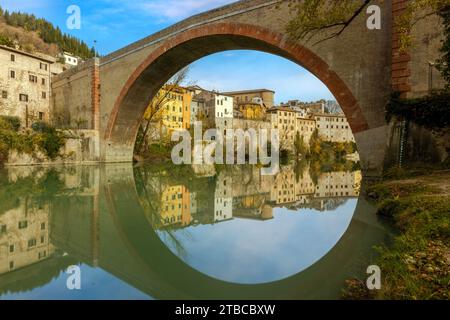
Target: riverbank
417, 264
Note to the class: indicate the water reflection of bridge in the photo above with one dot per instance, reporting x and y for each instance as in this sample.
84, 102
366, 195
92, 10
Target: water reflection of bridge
98, 217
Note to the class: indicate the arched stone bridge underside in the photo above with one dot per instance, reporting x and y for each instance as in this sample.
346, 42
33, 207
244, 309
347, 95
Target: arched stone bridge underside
355, 67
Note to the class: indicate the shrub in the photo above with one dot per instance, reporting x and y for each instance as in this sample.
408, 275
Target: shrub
42, 127
390, 207
45, 138
10, 123
51, 143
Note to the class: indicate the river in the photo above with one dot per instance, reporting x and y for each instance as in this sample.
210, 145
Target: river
181, 232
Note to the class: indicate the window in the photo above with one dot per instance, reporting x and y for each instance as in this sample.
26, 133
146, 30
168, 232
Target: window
42, 239
23, 97
43, 66
13, 58
11, 264
33, 78
23, 224
3, 228
12, 74
11, 248
44, 95
31, 243
5, 94
43, 81
43, 226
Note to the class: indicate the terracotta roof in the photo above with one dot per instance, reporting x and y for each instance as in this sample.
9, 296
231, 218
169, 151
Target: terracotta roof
281, 109
246, 91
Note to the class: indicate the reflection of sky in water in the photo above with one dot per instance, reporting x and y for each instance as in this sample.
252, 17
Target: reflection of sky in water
96, 284
250, 251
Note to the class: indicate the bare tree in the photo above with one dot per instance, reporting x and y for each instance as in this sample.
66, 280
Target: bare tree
335, 16
155, 110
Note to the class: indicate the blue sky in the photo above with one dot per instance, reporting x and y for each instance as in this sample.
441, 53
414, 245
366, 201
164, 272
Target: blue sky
237, 250
116, 23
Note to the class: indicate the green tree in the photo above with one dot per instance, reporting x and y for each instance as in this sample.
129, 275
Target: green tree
300, 146
47, 32
315, 144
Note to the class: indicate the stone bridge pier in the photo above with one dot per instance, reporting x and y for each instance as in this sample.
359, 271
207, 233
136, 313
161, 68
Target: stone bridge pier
361, 68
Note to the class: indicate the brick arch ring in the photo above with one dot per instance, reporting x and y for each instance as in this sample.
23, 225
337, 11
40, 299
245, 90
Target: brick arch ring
284, 47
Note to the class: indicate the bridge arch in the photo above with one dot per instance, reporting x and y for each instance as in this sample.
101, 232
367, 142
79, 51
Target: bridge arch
195, 43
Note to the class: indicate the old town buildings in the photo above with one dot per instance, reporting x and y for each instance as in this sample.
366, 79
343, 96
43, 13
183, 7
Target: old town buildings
25, 87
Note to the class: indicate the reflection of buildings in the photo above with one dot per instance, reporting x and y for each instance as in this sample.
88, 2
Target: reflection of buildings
338, 184
243, 193
223, 200
176, 208
24, 236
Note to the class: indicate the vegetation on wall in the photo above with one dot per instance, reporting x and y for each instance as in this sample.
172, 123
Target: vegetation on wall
45, 30
444, 63
431, 111
328, 19
42, 138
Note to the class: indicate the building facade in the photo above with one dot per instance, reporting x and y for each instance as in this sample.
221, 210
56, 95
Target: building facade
70, 59
25, 85
24, 237
333, 127
251, 110
219, 109
284, 120
305, 126
262, 96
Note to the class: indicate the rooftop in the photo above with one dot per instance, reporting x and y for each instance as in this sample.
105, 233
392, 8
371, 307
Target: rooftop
39, 56
247, 91
336, 115
280, 109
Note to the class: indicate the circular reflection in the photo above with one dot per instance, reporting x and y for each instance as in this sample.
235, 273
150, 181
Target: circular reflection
254, 249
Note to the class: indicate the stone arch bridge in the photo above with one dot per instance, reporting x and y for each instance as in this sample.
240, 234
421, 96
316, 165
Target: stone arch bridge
361, 67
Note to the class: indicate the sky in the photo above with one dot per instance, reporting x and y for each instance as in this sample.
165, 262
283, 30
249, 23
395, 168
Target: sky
307, 236
117, 23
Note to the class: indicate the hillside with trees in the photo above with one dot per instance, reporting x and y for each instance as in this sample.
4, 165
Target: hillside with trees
33, 34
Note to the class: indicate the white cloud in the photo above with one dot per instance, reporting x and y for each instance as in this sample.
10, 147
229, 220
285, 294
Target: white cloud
24, 5
166, 10
176, 9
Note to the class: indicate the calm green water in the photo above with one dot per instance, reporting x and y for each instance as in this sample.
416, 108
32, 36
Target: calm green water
167, 232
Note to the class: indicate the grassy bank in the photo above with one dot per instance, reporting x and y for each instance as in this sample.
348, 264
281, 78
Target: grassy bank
417, 264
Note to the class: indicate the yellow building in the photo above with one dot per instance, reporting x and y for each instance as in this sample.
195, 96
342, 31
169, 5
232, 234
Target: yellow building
175, 208
187, 100
170, 108
252, 111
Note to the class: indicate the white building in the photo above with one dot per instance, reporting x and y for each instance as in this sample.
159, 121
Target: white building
219, 108
70, 59
223, 198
